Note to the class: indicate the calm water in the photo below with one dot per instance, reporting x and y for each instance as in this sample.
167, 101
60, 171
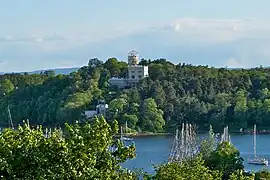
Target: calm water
155, 150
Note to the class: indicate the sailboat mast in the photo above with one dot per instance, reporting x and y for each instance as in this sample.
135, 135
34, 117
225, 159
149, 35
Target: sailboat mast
10, 118
121, 135
254, 146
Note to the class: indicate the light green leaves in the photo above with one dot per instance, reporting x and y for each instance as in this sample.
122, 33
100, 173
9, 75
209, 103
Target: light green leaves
82, 153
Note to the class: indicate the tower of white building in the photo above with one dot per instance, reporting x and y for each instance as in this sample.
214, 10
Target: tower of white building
135, 72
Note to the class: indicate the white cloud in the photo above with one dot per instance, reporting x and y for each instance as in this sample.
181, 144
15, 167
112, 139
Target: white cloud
234, 63
2, 62
231, 42
214, 31
3, 65
207, 29
30, 38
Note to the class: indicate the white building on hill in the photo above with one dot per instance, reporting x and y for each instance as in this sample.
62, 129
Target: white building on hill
90, 113
135, 72
101, 109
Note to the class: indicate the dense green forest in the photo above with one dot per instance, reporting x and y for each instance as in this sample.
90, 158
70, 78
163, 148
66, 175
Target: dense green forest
172, 94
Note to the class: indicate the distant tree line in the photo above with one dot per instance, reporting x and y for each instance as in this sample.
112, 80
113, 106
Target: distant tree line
172, 94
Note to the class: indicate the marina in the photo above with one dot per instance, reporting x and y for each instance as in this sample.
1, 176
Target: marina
156, 150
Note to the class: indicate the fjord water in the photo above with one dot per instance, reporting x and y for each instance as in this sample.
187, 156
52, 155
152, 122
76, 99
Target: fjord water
155, 150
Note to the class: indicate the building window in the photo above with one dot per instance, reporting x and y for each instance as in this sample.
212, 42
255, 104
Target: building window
140, 76
132, 71
133, 77
139, 71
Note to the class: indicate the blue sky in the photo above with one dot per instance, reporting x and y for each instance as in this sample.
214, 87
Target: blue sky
66, 33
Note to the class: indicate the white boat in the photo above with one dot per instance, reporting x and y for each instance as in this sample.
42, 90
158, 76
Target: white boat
258, 161
124, 138
255, 159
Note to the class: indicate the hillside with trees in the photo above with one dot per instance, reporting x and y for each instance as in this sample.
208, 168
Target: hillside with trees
172, 94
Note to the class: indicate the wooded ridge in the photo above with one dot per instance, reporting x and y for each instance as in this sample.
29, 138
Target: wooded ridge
172, 94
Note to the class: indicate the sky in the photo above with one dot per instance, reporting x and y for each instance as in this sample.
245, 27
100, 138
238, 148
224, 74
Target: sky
48, 34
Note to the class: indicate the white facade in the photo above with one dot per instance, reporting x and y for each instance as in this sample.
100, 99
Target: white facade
135, 72
101, 108
119, 82
90, 113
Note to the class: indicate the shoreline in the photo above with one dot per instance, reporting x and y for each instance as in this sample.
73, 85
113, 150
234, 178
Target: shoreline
148, 134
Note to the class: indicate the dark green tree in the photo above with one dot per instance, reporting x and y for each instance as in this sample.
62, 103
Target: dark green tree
226, 158
151, 116
190, 169
6, 86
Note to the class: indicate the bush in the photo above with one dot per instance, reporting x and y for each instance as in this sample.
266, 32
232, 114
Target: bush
83, 152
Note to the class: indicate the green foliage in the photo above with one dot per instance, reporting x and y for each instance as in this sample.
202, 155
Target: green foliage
239, 175
197, 94
226, 158
81, 153
223, 163
209, 145
152, 117
71, 109
172, 94
49, 73
131, 120
188, 170
95, 62
118, 104
115, 67
6, 86
262, 175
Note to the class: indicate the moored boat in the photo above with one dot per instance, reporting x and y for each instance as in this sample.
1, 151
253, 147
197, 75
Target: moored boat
255, 159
